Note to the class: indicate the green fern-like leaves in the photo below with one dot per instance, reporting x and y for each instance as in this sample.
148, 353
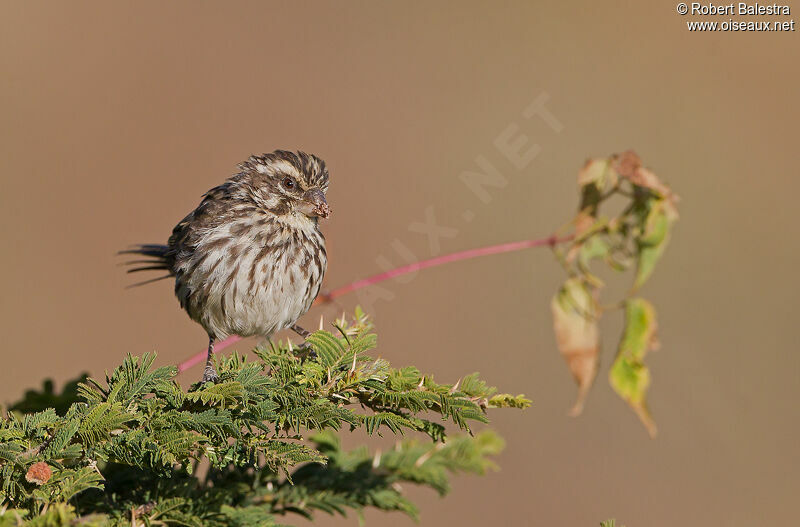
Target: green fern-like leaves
128, 450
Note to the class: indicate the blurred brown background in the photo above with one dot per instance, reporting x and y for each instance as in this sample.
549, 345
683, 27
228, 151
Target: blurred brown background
117, 117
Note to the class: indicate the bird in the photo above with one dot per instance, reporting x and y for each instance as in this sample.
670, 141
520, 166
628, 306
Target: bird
250, 259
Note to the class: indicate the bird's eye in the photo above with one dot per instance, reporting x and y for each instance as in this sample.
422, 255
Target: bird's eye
288, 182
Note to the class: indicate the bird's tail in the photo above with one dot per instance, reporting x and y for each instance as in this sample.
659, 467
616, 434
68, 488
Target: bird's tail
157, 258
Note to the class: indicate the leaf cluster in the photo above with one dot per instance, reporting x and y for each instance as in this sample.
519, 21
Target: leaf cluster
138, 449
632, 239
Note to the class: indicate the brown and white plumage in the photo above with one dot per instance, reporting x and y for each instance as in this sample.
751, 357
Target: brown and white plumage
250, 259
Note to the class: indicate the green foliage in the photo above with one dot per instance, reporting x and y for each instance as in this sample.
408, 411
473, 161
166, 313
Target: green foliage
629, 376
137, 449
633, 239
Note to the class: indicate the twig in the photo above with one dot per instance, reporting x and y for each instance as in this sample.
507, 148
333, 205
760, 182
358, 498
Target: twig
328, 297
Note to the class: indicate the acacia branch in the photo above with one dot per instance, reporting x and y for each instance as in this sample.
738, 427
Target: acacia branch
328, 297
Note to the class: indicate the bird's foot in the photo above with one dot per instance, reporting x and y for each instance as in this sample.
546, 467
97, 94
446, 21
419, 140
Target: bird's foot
305, 352
209, 375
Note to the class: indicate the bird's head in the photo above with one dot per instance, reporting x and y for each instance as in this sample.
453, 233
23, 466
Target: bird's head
287, 183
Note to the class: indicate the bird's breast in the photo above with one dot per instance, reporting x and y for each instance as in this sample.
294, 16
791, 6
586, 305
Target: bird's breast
253, 279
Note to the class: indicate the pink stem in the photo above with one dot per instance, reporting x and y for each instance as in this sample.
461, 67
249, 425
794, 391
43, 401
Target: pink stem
399, 271
433, 262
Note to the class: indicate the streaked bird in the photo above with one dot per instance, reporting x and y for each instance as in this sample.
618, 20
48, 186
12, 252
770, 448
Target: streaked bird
250, 259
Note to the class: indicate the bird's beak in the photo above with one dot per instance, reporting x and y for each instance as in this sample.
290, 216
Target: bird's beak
314, 204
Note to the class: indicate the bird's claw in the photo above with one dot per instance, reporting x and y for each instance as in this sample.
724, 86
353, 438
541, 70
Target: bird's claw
209, 375
305, 352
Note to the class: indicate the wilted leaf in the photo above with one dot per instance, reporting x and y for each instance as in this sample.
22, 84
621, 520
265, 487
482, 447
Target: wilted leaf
598, 171
627, 163
587, 227
629, 166
594, 248
590, 199
577, 335
653, 240
594, 178
629, 377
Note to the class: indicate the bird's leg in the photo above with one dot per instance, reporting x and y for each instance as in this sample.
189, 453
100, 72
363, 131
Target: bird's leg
210, 374
300, 331
305, 350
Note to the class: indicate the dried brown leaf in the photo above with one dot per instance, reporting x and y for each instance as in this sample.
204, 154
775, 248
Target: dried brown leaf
39, 473
629, 166
577, 335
